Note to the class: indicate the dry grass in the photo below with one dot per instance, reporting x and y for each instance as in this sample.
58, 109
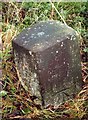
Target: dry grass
17, 102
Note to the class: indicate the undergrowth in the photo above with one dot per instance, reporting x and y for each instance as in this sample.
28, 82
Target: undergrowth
16, 101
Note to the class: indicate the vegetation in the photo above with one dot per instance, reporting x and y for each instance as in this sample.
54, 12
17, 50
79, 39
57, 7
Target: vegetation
16, 101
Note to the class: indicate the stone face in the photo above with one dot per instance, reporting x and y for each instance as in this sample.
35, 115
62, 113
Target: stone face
48, 60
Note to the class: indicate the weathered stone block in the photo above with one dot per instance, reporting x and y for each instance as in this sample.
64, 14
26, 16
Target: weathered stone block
47, 57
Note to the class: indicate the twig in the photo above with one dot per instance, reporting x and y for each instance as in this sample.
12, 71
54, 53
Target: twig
53, 6
20, 79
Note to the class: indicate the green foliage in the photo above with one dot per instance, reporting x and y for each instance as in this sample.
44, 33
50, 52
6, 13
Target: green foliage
3, 93
85, 50
16, 17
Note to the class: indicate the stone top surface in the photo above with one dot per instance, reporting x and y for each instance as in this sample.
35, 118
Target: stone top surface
43, 35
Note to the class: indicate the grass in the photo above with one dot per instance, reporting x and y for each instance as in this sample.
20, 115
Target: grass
16, 101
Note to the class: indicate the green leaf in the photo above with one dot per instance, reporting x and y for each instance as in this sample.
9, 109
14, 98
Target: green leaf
26, 110
3, 93
85, 50
0, 54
